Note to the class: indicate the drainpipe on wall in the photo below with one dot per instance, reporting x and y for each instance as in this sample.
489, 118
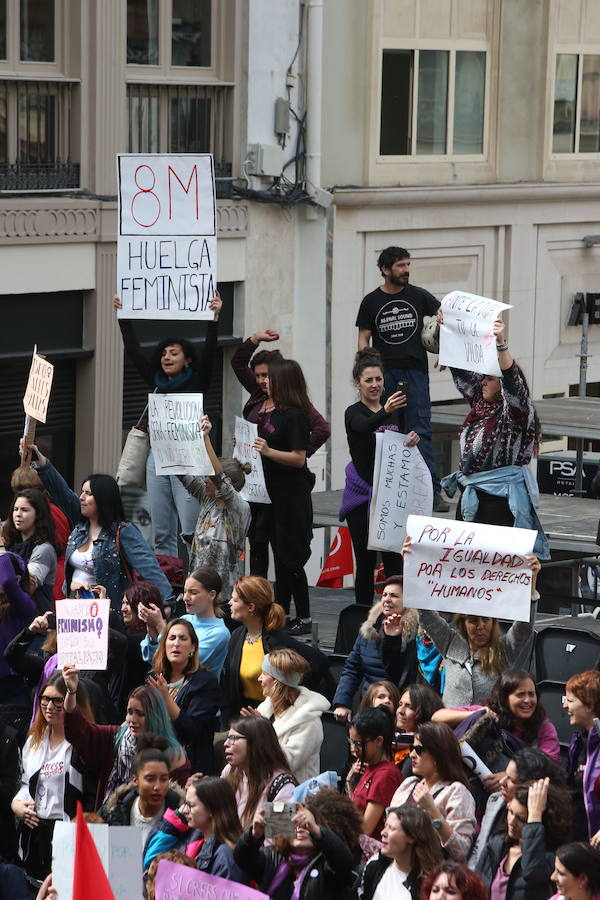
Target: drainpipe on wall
314, 94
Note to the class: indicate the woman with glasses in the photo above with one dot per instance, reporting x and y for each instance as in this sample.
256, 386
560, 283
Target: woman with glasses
252, 371
51, 777
373, 777
518, 865
256, 769
439, 785
582, 702
409, 851
283, 435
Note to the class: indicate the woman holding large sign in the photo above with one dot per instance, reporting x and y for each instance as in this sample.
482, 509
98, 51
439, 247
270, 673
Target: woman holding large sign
363, 419
498, 439
174, 367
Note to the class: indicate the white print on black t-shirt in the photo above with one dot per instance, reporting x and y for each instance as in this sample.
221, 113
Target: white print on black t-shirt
396, 322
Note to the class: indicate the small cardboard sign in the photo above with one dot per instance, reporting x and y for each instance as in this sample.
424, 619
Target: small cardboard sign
82, 633
39, 385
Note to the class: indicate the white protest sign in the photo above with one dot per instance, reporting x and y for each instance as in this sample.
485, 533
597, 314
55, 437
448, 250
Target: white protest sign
120, 850
401, 485
174, 881
473, 762
82, 633
255, 489
167, 236
465, 567
466, 337
39, 385
175, 436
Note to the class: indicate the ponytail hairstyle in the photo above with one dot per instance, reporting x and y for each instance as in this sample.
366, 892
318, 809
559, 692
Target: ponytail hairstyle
236, 471
366, 358
289, 663
257, 590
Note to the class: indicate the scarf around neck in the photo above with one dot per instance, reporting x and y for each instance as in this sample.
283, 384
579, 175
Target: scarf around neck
121, 771
166, 385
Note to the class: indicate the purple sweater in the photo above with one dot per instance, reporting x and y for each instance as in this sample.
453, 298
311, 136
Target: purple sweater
22, 608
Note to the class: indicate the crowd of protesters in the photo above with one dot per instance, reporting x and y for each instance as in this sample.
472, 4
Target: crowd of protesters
206, 730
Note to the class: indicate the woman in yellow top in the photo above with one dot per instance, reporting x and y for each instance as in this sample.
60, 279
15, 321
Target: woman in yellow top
252, 604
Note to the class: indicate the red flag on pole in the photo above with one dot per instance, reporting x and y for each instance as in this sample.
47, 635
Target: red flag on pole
339, 561
90, 881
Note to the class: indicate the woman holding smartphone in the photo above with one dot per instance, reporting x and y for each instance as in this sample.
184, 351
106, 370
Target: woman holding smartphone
363, 420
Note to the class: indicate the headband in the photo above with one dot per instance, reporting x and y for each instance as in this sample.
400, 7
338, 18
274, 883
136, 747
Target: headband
292, 680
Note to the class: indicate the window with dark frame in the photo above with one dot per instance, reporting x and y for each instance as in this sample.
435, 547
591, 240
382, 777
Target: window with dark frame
445, 123
142, 32
37, 28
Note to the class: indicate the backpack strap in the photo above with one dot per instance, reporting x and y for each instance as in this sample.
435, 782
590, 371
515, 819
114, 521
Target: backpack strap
277, 784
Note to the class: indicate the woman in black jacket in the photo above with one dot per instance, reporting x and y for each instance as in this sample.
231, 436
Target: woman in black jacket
252, 604
319, 862
519, 863
174, 367
190, 691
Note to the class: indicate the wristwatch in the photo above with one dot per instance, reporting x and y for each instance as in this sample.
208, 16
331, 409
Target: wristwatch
437, 823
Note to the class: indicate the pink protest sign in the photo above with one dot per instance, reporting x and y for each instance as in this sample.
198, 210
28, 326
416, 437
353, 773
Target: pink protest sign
174, 882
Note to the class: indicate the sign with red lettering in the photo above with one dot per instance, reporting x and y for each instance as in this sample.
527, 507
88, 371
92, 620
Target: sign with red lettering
465, 567
167, 236
255, 489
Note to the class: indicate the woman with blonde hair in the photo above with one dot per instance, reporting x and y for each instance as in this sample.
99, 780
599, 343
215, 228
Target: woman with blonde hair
474, 649
190, 692
253, 605
294, 710
51, 777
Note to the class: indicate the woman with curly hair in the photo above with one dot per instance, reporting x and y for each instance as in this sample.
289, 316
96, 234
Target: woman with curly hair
453, 880
518, 864
439, 785
515, 704
319, 862
409, 851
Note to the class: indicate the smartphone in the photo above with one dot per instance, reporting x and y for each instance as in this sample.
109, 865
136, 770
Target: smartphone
404, 740
279, 819
51, 620
402, 386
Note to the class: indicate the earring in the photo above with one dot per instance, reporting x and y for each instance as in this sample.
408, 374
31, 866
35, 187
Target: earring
191, 654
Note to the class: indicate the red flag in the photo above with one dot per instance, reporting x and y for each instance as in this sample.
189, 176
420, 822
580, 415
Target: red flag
339, 561
90, 881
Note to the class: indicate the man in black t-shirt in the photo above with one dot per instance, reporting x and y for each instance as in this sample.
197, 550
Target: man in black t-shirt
391, 318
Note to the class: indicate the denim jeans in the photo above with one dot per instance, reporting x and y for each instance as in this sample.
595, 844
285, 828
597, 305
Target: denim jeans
417, 411
169, 500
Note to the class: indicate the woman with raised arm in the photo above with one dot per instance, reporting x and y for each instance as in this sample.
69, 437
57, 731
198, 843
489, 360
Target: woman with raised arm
174, 368
224, 517
498, 440
103, 549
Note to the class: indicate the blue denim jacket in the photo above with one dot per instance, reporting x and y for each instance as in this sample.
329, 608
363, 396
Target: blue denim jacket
105, 553
517, 484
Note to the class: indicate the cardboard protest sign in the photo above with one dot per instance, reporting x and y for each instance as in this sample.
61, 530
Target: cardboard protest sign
174, 881
401, 485
255, 489
465, 567
466, 337
120, 849
39, 385
175, 436
167, 237
82, 633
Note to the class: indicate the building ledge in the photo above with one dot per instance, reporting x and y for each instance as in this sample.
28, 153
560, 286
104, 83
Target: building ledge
429, 195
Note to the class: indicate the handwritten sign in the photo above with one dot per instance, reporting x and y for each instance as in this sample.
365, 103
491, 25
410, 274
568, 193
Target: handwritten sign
466, 337
120, 849
401, 485
175, 436
39, 385
255, 489
174, 881
464, 567
82, 633
167, 238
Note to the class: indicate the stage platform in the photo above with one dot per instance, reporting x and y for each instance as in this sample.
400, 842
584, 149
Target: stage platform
570, 523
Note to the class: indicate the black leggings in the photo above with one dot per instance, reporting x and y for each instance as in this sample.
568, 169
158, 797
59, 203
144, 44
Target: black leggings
290, 535
366, 560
